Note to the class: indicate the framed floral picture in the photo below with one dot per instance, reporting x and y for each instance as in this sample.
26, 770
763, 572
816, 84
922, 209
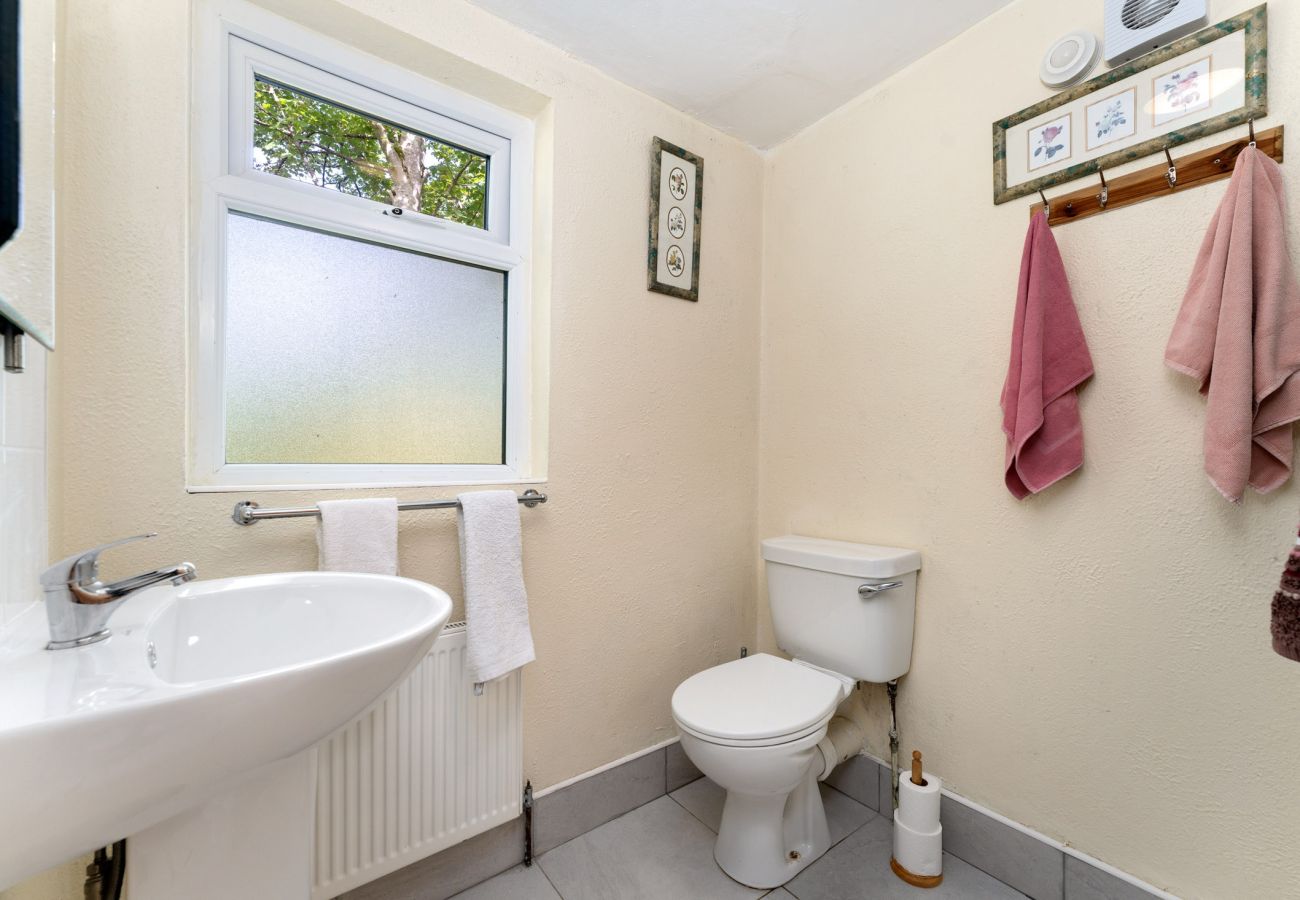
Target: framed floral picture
676, 201
1111, 119
1050, 142
1181, 92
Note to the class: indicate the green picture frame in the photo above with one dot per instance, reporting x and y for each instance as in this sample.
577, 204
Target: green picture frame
1253, 22
664, 234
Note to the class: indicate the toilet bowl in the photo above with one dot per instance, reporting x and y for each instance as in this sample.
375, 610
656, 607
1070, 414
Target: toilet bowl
754, 727
758, 726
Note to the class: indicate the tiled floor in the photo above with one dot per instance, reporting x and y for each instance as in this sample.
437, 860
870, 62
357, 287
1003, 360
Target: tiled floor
664, 851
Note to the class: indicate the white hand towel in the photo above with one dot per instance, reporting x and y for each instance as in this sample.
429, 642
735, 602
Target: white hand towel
358, 536
496, 606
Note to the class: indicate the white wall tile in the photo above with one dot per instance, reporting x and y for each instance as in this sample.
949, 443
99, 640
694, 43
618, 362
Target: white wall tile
9, 500
24, 403
23, 532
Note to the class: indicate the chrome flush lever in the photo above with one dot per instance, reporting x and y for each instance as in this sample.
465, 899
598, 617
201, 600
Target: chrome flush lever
868, 590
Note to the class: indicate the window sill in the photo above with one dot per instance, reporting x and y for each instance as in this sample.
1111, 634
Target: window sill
353, 486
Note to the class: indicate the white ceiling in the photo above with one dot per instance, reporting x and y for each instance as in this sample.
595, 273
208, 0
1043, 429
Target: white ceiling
761, 70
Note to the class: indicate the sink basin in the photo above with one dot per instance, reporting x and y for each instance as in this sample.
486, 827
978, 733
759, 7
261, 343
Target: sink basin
198, 686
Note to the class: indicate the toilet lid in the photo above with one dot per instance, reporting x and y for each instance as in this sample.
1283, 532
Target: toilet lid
756, 698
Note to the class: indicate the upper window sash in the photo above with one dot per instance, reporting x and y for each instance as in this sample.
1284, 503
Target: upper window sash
249, 60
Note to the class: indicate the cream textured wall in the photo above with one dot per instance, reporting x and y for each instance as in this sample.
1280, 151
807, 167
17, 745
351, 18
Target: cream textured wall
1094, 662
640, 569
65, 882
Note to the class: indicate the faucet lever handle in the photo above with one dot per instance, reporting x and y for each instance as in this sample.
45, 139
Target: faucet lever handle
83, 567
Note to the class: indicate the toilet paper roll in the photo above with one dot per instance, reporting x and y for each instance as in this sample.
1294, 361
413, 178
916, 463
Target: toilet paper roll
920, 853
918, 804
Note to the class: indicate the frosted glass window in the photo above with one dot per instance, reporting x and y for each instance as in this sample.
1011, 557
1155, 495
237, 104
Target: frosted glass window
343, 351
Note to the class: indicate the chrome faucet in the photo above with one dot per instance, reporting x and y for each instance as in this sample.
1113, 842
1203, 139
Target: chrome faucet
78, 604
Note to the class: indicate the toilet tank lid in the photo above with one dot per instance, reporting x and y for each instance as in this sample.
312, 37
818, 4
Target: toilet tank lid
841, 557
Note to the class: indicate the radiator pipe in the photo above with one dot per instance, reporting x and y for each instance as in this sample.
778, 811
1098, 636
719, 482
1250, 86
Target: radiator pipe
94, 885
528, 823
106, 874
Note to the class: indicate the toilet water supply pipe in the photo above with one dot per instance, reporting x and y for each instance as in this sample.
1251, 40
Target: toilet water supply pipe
892, 689
844, 739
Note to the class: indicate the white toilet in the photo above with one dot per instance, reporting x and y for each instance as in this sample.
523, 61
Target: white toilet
758, 726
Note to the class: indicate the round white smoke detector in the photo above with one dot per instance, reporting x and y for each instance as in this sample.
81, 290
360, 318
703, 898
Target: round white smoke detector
1069, 60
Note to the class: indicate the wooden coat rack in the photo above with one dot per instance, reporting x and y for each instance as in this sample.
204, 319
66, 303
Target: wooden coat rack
1176, 175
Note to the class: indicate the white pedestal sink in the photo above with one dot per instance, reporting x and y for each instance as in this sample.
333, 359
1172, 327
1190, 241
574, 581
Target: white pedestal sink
202, 692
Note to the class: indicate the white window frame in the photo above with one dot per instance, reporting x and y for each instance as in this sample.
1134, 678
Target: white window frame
234, 41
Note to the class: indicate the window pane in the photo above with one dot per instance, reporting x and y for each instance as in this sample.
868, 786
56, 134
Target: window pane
298, 136
342, 351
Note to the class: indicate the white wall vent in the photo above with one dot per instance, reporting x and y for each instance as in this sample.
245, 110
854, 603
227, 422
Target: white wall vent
1135, 27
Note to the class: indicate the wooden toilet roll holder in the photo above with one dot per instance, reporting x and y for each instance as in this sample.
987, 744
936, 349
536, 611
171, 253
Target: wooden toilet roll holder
921, 881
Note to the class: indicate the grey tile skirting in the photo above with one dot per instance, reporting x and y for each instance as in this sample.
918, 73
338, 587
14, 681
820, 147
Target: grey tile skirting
681, 771
1029, 864
1034, 867
563, 815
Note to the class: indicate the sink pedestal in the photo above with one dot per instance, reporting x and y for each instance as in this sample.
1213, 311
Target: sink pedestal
253, 840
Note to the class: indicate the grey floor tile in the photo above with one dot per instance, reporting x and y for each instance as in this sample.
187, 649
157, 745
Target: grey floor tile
844, 815
1006, 853
859, 777
704, 799
580, 807
1084, 881
519, 883
680, 770
779, 894
454, 869
858, 869
656, 852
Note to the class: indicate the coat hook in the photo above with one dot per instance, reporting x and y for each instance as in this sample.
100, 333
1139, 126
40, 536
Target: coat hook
1047, 204
1104, 197
1172, 175
1251, 122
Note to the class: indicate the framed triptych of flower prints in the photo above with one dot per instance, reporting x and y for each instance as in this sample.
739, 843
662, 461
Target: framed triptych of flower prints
1207, 82
676, 200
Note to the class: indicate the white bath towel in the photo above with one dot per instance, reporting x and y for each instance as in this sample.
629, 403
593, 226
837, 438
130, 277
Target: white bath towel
358, 536
496, 606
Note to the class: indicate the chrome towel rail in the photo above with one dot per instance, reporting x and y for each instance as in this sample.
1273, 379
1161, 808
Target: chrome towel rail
247, 512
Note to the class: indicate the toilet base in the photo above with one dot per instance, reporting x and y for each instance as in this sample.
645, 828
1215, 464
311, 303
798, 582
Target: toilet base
767, 839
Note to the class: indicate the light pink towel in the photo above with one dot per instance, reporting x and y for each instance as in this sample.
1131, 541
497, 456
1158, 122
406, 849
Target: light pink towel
1049, 360
1238, 333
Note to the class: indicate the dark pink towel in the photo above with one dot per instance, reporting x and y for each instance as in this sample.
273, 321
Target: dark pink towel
1238, 333
1049, 359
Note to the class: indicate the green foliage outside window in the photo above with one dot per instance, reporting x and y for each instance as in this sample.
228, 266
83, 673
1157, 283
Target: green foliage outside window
306, 139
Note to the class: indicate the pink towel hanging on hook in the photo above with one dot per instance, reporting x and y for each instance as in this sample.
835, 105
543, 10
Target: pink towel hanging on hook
1238, 333
1049, 361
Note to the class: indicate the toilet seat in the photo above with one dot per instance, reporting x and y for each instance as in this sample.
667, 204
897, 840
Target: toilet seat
757, 701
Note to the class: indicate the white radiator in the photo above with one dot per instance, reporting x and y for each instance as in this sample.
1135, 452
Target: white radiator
428, 767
